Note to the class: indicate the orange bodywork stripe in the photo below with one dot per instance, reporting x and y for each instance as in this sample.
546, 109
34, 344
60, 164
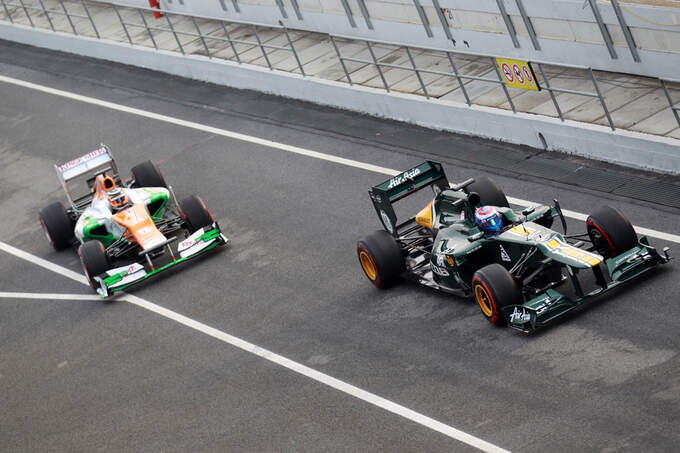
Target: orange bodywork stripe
139, 225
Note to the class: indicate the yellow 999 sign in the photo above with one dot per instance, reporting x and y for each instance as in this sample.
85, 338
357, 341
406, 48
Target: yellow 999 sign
518, 74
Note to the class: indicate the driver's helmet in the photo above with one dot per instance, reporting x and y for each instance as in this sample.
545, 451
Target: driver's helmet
118, 199
489, 220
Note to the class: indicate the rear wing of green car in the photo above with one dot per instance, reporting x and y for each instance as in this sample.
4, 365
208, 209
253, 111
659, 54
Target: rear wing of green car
402, 185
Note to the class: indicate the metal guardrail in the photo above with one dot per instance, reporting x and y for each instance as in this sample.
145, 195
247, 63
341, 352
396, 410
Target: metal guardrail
23, 7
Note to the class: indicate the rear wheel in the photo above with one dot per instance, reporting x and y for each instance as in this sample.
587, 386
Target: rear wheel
489, 193
195, 213
610, 231
147, 174
94, 259
381, 259
57, 225
494, 288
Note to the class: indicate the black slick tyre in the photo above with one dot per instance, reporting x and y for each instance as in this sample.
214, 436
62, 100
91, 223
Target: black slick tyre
381, 259
57, 225
94, 259
147, 174
489, 192
494, 288
195, 213
610, 231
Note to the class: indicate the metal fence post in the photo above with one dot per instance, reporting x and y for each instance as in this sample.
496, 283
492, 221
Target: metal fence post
282, 8
377, 65
599, 94
148, 30
264, 51
423, 18
364, 12
460, 81
348, 11
47, 15
172, 29
26, 12
233, 47
236, 7
626, 30
122, 22
296, 8
442, 19
68, 17
89, 16
342, 62
502, 82
415, 68
200, 35
292, 48
528, 24
552, 95
508, 22
670, 101
603, 29
7, 13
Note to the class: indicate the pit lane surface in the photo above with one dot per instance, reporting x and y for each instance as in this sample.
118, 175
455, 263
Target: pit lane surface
84, 375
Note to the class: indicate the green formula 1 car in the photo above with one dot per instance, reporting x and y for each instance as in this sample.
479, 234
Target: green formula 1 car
125, 231
524, 276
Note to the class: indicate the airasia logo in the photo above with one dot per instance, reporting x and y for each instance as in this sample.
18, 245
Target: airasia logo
407, 175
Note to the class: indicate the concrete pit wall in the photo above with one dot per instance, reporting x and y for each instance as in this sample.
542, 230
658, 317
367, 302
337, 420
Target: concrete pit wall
594, 141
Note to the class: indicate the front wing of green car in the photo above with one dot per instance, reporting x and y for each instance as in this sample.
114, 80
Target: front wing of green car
197, 244
552, 304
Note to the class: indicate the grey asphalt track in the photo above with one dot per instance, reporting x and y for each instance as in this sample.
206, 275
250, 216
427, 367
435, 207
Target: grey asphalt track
109, 376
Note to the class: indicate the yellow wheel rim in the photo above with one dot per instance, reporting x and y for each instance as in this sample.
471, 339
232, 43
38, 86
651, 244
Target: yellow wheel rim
483, 300
368, 266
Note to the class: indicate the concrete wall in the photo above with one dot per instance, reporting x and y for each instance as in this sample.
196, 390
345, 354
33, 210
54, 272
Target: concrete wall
566, 29
628, 148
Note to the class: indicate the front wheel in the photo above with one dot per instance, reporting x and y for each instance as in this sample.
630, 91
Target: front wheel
610, 232
494, 288
94, 259
381, 259
195, 213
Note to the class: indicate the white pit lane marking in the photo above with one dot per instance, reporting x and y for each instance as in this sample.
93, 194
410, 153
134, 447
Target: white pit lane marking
246, 346
48, 296
281, 146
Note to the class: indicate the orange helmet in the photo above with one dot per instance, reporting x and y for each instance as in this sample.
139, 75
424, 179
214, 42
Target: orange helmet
118, 199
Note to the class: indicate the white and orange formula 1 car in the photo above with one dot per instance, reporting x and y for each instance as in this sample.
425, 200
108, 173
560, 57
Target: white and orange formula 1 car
124, 229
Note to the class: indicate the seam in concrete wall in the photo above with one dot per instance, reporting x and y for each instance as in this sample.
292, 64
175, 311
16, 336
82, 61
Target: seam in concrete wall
589, 140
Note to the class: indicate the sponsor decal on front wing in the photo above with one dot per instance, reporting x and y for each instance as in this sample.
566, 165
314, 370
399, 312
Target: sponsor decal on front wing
406, 176
519, 317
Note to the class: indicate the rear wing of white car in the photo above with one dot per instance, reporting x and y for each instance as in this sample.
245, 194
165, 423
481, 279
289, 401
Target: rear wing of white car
86, 168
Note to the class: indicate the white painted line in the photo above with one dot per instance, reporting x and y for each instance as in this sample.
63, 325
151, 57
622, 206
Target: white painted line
276, 145
80, 278
49, 296
311, 373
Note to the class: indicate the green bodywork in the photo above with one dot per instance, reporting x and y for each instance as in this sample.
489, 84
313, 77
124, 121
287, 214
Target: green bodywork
534, 254
96, 228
